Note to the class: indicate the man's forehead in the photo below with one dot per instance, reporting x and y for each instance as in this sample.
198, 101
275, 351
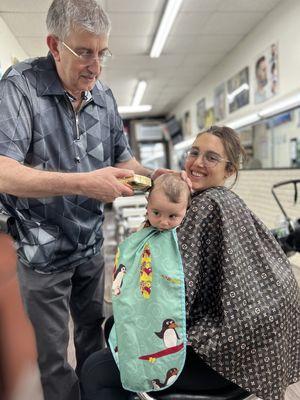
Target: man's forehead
85, 38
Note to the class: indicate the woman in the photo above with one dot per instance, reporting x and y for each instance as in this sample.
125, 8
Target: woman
242, 300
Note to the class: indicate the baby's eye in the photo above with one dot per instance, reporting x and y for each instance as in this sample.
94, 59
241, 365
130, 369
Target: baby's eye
173, 216
155, 212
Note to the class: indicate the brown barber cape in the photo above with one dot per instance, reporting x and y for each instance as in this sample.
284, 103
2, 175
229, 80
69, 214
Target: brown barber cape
242, 297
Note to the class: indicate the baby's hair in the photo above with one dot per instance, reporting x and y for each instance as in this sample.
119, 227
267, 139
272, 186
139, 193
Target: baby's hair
173, 186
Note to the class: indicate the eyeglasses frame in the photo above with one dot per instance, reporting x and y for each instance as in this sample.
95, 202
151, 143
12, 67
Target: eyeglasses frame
220, 159
80, 56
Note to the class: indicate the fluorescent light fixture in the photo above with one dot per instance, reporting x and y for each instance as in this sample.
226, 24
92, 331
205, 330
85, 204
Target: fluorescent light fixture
281, 106
134, 109
139, 93
247, 120
237, 91
166, 23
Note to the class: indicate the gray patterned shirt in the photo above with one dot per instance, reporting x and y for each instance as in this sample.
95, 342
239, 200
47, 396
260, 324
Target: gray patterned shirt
39, 128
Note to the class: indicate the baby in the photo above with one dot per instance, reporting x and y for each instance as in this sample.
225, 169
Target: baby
168, 200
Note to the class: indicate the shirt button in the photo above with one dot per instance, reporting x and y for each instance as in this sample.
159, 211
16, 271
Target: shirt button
77, 159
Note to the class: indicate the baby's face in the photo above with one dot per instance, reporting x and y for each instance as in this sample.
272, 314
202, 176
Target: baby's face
162, 213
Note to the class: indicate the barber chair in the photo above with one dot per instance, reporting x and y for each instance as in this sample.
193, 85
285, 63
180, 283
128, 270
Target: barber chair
230, 392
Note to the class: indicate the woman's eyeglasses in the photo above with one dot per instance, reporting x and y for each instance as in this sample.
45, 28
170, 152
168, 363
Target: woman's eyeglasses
210, 159
87, 58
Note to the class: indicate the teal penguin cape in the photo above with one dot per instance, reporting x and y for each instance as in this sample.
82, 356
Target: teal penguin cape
148, 339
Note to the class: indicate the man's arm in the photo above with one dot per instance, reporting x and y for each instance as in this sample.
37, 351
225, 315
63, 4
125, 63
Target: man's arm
134, 165
101, 184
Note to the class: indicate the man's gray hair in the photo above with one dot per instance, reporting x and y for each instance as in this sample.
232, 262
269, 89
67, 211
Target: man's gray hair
88, 15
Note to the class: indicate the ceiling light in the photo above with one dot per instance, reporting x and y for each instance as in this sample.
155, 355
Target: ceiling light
231, 96
139, 93
134, 109
280, 106
166, 23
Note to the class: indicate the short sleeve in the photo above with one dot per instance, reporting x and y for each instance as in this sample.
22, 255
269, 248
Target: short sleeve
15, 121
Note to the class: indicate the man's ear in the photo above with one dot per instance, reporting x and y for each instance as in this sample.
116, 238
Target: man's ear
52, 42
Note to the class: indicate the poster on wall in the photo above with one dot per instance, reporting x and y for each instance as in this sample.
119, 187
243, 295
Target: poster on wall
187, 127
201, 113
209, 117
219, 102
266, 74
238, 90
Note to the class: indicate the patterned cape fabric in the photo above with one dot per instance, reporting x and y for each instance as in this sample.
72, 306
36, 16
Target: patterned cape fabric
148, 339
242, 299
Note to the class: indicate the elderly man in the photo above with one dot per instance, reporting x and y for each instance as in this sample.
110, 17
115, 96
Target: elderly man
62, 150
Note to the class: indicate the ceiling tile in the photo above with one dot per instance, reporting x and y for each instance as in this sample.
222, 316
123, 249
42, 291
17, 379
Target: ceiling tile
134, 6
144, 61
189, 23
199, 44
130, 45
202, 59
140, 24
200, 5
236, 23
34, 6
18, 23
246, 5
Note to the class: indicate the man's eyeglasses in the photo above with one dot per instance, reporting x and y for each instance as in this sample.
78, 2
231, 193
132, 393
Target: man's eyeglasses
87, 58
210, 159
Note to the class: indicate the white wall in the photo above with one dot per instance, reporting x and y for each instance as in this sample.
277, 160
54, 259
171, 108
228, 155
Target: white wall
9, 47
281, 26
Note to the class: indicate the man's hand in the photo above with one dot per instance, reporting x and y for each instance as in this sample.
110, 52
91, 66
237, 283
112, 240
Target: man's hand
102, 184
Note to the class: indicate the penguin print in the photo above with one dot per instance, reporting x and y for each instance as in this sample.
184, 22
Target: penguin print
168, 333
118, 279
171, 376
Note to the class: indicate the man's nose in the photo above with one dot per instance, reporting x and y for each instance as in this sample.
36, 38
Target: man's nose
95, 66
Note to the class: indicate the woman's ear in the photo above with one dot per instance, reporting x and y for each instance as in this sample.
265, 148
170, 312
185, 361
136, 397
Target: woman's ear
229, 171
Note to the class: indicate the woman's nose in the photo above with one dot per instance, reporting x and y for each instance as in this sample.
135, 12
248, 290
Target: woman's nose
200, 159
164, 222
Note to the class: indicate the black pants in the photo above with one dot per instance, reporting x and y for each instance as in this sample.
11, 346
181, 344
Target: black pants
48, 299
100, 377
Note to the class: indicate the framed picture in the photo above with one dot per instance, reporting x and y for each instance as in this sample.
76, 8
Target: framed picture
266, 74
201, 113
238, 90
209, 117
220, 102
187, 127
